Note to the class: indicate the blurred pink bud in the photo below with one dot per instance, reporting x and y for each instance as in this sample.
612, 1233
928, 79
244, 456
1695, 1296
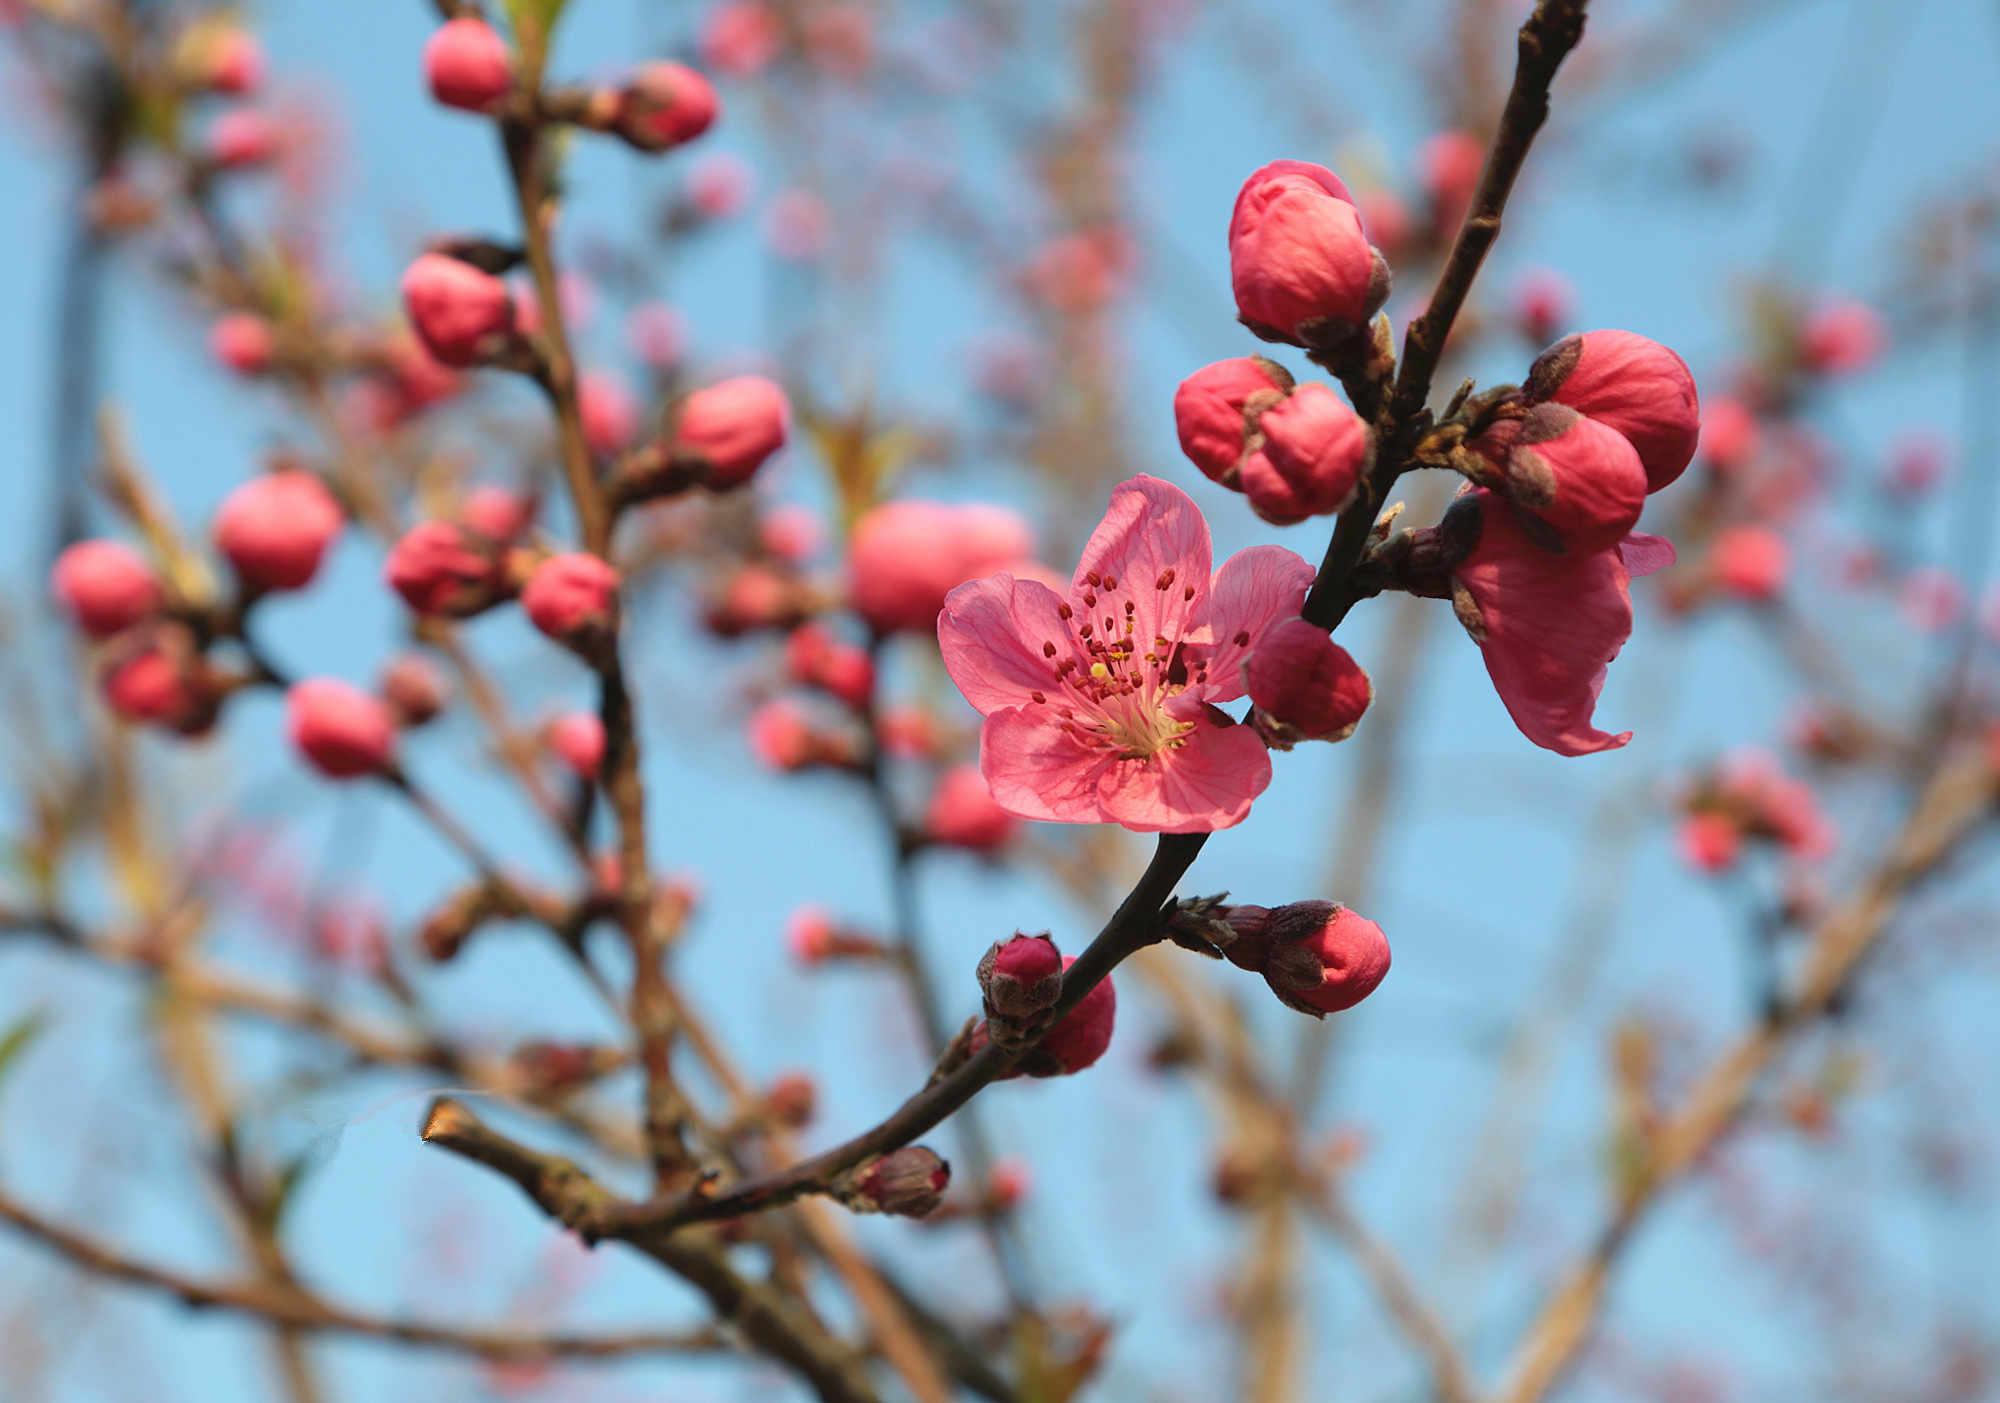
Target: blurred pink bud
732, 428
341, 729
663, 105
438, 570
242, 137
1081, 272
1544, 302
739, 37
810, 934
912, 733
577, 738
1317, 956
610, 414
796, 225
657, 334
909, 1183
789, 1100
1448, 167
840, 39
906, 556
1021, 976
1217, 408
755, 597
243, 341
1311, 458
790, 533
1304, 685
275, 529
164, 682
1008, 1184
572, 597
1844, 337
1579, 477
414, 689
1299, 263
105, 586
816, 659
719, 184
1917, 463
1710, 842
1730, 436
1635, 387
1385, 218
233, 63
498, 514
462, 315
1749, 561
962, 813
467, 65
781, 737
1931, 598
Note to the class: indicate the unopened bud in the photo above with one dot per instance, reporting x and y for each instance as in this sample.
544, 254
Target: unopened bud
1305, 686
664, 105
573, 598
909, 1182
1317, 956
1020, 977
789, 1101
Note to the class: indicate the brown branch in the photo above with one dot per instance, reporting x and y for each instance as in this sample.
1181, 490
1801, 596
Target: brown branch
301, 1310
1958, 796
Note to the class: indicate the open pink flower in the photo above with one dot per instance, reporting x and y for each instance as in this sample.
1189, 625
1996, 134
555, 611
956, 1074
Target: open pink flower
1549, 624
1099, 706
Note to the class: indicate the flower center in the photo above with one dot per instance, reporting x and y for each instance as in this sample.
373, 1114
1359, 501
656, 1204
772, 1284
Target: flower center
1119, 692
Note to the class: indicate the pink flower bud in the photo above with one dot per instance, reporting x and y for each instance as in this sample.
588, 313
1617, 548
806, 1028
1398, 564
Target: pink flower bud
1710, 842
467, 65
1543, 302
413, 689
163, 680
1843, 338
275, 529
663, 105
962, 813
739, 37
816, 659
905, 557
1021, 976
1917, 463
1749, 561
577, 738
105, 586
732, 428
1931, 598
909, 1183
342, 730
719, 185
1080, 1038
462, 315
1580, 478
499, 515
572, 597
1730, 436
610, 415
438, 569
1317, 956
242, 137
790, 1099
1300, 265
243, 341
790, 533
657, 334
232, 63
781, 737
1311, 458
1305, 686
810, 934
1448, 167
1633, 386
912, 733
1216, 411
1008, 1185
755, 597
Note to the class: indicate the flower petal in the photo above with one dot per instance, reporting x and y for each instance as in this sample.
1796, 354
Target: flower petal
1036, 769
1253, 590
1644, 555
1206, 784
993, 632
1152, 533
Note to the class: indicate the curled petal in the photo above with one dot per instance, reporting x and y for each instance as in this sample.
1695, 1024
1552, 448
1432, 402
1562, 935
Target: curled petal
1645, 555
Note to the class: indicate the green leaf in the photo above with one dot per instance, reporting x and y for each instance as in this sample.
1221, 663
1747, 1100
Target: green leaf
15, 1040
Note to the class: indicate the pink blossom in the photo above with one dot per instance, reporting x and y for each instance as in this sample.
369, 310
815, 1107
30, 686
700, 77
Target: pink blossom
905, 556
1299, 263
1304, 685
232, 62
572, 597
1122, 727
438, 569
610, 415
815, 658
243, 341
908, 731
961, 813
781, 736
497, 513
275, 529
1385, 217
719, 184
1749, 561
1448, 167
162, 679
1548, 624
790, 533
663, 105
739, 37
105, 586
462, 314
1080, 1039
1709, 841
577, 738
1080, 272
341, 729
1543, 301
796, 225
733, 427
1843, 337
242, 137
809, 934
1730, 436
1216, 410
1917, 463
413, 689
1576, 476
1629, 384
657, 334
755, 597
467, 65
1021, 976
1310, 459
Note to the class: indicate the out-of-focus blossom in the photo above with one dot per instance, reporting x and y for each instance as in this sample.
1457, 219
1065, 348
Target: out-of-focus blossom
791, 533
1843, 337
1543, 302
905, 556
499, 514
663, 105
1931, 598
1709, 841
414, 689
241, 138
243, 341
739, 37
462, 314
156, 676
815, 658
439, 569
840, 39
105, 586
796, 225
1917, 463
1080, 272
577, 738
275, 529
1730, 436
962, 813
468, 65
731, 428
341, 729
719, 184
1448, 167
573, 598
657, 334
609, 412
1749, 561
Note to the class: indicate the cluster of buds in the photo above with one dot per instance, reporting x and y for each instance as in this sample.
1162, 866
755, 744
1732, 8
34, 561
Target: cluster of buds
1293, 450
464, 566
1749, 796
1318, 956
1021, 981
